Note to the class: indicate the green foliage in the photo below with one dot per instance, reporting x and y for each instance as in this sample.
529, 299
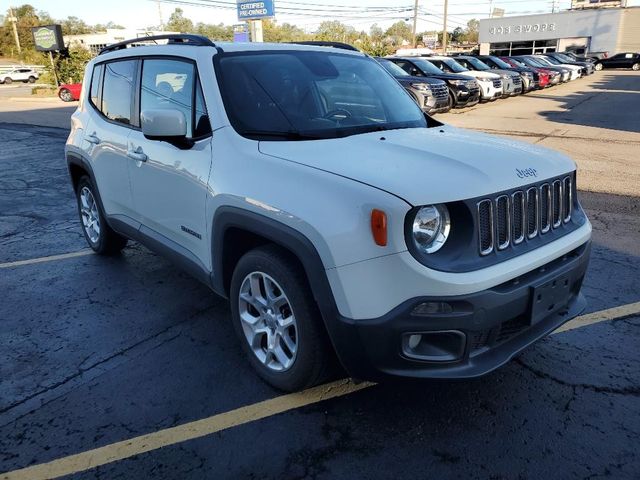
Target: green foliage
70, 67
398, 32
179, 23
335, 31
272, 32
219, 32
375, 49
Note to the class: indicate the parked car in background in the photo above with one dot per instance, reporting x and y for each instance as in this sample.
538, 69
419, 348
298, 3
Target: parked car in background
463, 90
490, 83
576, 72
511, 81
580, 54
530, 78
26, 75
69, 92
431, 94
559, 57
620, 60
531, 61
546, 78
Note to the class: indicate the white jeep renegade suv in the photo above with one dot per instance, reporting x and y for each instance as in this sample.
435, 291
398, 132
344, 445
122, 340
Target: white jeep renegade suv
304, 184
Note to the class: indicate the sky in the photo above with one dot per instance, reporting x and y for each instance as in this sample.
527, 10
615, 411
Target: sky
307, 14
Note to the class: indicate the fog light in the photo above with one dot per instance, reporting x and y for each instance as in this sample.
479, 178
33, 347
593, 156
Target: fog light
439, 346
431, 308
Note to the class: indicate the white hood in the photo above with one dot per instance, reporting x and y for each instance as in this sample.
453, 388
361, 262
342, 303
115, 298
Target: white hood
427, 165
479, 74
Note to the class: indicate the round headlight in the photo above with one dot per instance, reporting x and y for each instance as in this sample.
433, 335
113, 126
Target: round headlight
431, 227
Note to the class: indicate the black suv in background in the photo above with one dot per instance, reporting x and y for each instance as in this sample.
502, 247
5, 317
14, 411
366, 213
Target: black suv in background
431, 94
464, 91
511, 81
530, 77
620, 60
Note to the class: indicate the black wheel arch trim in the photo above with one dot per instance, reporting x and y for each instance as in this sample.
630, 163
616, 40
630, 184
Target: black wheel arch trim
298, 244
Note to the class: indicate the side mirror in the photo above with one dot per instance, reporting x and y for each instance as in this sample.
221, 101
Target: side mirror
167, 124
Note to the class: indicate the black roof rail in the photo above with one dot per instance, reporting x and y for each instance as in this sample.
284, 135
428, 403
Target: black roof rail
321, 43
173, 39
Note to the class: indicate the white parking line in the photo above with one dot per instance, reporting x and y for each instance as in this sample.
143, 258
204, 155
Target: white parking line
50, 258
124, 449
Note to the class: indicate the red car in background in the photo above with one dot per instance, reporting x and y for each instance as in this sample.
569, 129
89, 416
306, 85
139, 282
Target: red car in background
69, 92
543, 75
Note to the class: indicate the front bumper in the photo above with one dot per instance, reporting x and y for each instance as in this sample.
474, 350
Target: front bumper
490, 326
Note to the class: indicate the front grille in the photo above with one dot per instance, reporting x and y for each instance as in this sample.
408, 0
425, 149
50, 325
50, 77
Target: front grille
517, 80
440, 91
497, 83
509, 219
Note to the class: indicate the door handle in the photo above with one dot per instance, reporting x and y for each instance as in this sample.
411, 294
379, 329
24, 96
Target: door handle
138, 155
92, 138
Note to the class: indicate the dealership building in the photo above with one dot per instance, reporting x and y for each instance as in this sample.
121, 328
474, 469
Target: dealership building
609, 30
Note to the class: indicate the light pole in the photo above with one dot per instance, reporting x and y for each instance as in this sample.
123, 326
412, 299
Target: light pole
444, 28
415, 21
14, 21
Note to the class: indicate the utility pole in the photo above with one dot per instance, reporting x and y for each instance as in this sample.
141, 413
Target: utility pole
415, 21
160, 16
444, 28
14, 22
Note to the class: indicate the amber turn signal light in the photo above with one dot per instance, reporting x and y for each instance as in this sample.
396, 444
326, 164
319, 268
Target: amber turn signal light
379, 227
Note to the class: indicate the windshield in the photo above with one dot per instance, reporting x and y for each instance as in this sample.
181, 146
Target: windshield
425, 66
302, 95
392, 68
500, 63
551, 60
563, 57
478, 64
452, 64
542, 61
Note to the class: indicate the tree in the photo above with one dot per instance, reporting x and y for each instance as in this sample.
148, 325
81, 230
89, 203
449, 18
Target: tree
376, 34
399, 32
70, 65
457, 35
471, 32
179, 23
74, 26
286, 32
335, 31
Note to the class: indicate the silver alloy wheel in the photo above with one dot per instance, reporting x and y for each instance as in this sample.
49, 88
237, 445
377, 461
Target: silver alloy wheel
268, 321
65, 95
598, 66
89, 214
635, 66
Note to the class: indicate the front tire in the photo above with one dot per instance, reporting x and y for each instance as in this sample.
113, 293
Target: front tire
277, 320
32, 80
8, 80
100, 237
635, 67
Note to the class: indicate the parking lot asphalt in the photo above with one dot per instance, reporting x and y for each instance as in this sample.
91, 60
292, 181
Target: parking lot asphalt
97, 351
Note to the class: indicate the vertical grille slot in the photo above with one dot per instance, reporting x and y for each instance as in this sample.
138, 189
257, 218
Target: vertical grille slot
557, 203
517, 201
503, 222
545, 208
567, 199
485, 226
532, 212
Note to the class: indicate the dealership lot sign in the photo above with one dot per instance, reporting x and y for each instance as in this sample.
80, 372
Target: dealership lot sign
524, 28
255, 10
48, 38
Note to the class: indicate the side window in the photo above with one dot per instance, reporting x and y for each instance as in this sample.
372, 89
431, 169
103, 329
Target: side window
117, 90
169, 84
95, 84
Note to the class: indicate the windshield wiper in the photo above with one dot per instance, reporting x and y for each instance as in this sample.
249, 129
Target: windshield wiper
285, 135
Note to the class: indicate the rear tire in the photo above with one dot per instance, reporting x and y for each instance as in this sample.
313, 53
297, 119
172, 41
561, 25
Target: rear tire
598, 67
100, 237
32, 80
635, 67
277, 320
65, 95
7, 81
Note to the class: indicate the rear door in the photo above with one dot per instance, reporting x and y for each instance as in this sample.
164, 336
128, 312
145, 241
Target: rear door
170, 184
110, 112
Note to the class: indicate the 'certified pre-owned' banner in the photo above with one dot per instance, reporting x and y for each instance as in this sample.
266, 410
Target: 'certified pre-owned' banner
255, 10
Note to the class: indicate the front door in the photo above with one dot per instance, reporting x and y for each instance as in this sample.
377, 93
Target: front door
169, 182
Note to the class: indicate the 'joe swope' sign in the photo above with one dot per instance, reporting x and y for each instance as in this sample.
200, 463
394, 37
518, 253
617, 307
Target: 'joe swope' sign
252, 10
524, 28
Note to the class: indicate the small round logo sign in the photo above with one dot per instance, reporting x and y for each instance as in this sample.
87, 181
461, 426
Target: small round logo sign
44, 38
